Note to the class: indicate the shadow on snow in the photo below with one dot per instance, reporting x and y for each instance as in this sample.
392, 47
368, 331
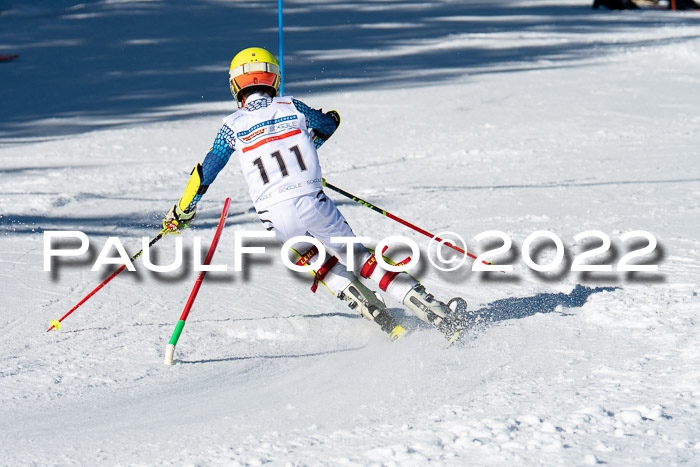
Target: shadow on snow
88, 65
517, 308
521, 307
270, 357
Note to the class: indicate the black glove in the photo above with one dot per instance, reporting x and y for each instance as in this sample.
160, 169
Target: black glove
322, 136
335, 116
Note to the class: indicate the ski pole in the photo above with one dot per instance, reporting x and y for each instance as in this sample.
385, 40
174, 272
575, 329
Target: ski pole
170, 349
56, 323
397, 219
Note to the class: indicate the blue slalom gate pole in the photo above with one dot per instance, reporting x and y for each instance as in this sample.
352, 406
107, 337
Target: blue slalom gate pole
279, 20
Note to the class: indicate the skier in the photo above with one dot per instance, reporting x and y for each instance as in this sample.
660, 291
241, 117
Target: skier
275, 140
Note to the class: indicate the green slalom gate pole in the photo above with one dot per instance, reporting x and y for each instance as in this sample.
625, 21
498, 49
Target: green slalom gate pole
170, 349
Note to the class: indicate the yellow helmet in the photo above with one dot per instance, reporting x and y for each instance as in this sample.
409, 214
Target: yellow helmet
253, 67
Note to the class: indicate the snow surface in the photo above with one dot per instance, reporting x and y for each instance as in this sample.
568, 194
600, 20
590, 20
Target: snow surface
511, 115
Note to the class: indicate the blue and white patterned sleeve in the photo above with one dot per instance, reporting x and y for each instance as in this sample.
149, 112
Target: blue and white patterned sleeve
323, 124
215, 160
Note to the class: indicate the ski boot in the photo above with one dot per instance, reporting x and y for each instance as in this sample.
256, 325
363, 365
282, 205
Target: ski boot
446, 318
370, 306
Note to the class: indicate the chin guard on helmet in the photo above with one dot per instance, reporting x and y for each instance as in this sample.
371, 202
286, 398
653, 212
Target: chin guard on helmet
194, 188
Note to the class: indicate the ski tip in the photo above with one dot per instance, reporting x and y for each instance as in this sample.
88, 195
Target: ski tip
397, 333
454, 337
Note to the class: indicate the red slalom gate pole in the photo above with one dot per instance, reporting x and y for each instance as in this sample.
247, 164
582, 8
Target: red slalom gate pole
170, 349
397, 219
56, 323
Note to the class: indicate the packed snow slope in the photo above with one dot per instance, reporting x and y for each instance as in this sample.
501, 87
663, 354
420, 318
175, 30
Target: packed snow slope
517, 116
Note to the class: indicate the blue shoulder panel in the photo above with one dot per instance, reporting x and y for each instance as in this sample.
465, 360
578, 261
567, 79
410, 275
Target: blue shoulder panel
319, 121
215, 160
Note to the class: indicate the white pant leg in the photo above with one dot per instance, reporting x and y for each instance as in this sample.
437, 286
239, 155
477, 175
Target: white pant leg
318, 216
281, 218
298, 217
323, 221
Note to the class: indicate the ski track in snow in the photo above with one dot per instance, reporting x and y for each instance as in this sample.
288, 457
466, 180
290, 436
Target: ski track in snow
539, 116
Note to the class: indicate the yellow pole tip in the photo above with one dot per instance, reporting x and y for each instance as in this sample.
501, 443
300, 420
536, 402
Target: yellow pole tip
56, 324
